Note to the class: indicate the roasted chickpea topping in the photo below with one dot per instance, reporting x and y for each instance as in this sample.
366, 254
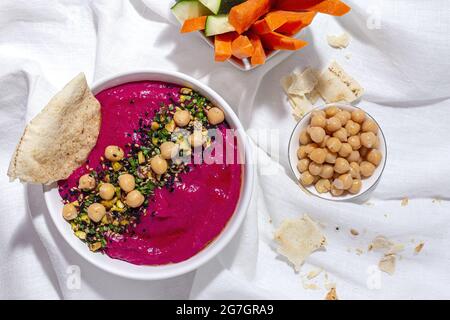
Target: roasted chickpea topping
127, 182
96, 212
114, 153
70, 212
86, 182
134, 199
215, 116
106, 191
182, 118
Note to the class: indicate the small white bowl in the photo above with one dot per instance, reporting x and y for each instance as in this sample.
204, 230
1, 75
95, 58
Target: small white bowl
137, 272
368, 184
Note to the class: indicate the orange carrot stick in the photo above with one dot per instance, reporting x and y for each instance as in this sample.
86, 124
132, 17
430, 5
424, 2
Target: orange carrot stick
241, 47
277, 41
244, 15
332, 7
222, 46
272, 21
259, 55
194, 24
296, 23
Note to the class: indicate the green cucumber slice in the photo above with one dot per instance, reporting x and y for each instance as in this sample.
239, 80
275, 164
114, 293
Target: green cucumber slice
188, 9
221, 6
217, 25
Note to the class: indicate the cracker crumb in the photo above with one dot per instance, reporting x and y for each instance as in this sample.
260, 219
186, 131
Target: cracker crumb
310, 286
387, 264
354, 232
359, 251
404, 202
339, 41
331, 295
419, 248
313, 273
436, 200
380, 243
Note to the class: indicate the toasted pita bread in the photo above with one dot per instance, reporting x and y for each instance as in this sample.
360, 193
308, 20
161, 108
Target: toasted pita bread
59, 139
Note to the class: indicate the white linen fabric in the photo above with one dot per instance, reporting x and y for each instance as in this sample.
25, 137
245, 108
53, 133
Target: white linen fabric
399, 53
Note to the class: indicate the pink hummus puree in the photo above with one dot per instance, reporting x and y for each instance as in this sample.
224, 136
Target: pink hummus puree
179, 223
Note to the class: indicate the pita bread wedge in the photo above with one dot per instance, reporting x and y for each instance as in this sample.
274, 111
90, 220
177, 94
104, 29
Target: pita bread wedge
59, 139
298, 238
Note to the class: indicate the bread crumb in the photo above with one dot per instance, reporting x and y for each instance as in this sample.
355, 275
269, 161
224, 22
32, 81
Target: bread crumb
310, 286
313, 273
339, 41
380, 243
331, 295
436, 200
354, 232
359, 251
405, 202
419, 248
387, 264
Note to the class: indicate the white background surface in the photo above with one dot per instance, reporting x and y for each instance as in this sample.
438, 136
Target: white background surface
404, 67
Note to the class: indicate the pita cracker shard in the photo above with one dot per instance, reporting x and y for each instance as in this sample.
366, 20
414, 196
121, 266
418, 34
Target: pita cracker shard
298, 238
336, 85
387, 264
59, 139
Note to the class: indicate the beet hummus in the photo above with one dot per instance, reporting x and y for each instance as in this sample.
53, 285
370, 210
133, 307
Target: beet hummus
187, 206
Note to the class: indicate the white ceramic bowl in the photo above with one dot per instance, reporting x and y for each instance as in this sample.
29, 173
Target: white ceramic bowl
129, 270
368, 184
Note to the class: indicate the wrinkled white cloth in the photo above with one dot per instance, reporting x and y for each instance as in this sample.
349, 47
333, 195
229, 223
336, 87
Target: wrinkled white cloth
398, 52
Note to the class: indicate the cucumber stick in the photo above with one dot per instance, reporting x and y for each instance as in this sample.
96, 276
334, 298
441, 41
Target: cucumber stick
188, 9
217, 25
221, 6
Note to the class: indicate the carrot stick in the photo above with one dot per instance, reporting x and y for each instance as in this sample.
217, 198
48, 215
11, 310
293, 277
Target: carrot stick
241, 47
332, 7
244, 15
222, 46
194, 24
277, 41
296, 23
272, 21
259, 55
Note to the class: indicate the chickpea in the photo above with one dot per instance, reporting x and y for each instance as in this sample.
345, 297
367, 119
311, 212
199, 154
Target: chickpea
304, 138
333, 124
317, 134
196, 139
352, 128
336, 192
341, 166
327, 171
344, 116
69, 212
323, 185
86, 182
134, 199
182, 118
366, 168
169, 150
215, 116
374, 156
345, 150
353, 157
301, 152
370, 126
341, 134
318, 155
332, 111
158, 165
355, 142
319, 121
320, 113
303, 165
347, 180
114, 153
368, 139
334, 144
355, 170
356, 186
314, 168
127, 182
331, 157
107, 191
96, 212
307, 179
324, 142
358, 116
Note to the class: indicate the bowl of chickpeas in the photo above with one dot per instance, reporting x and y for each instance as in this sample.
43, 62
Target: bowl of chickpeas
337, 152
